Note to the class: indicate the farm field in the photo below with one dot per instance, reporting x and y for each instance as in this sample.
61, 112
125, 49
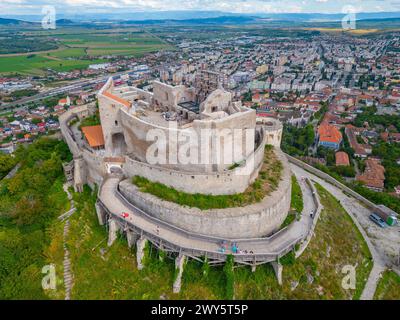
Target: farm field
78, 48
38, 64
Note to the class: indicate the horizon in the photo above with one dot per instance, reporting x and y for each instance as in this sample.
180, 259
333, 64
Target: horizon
255, 7
197, 14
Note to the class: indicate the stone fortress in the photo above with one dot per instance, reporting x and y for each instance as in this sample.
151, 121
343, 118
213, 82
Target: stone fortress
128, 114
211, 144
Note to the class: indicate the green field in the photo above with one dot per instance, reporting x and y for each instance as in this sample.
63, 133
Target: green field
79, 49
68, 53
38, 64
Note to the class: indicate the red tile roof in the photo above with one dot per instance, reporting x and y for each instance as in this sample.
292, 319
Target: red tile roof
342, 159
329, 133
117, 99
374, 174
94, 135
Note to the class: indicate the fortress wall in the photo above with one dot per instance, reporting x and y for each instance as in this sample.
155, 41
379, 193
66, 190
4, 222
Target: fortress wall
110, 120
64, 119
273, 130
255, 220
136, 129
134, 93
72, 145
80, 174
241, 145
273, 137
145, 95
219, 99
228, 182
95, 167
88, 167
165, 95
168, 96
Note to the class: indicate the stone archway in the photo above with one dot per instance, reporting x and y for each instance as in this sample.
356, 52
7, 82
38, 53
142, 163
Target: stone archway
118, 144
114, 168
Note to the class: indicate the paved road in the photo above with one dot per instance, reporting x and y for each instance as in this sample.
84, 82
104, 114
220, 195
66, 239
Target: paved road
381, 242
266, 246
73, 85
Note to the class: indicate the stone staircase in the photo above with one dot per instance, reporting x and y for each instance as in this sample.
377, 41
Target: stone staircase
67, 265
68, 278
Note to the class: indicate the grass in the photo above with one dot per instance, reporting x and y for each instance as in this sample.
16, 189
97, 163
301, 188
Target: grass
335, 230
289, 219
93, 120
38, 64
102, 272
297, 196
6, 114
131, 50
32, 248
54, 252
266, 182
68, 53
340, 30
296, 203
76, 45
388, 287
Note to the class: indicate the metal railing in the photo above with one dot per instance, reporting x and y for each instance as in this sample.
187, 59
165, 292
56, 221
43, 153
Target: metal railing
331, 180
246, 258
189, 234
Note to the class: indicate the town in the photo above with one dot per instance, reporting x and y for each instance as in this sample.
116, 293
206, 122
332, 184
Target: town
200, 155
338, 96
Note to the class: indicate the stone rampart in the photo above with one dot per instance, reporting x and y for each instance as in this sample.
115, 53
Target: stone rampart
256, 220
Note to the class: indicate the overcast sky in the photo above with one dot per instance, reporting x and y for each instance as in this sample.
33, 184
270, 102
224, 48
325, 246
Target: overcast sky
238, 6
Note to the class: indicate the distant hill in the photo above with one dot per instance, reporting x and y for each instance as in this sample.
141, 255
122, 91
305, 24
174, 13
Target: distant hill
12, 22
15, 22
310, 17
194, 17
383, 20
214, 20
64, 22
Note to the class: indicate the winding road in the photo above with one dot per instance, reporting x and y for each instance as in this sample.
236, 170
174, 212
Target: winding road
373, 235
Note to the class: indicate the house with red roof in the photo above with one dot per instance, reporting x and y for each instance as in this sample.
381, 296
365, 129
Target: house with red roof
342, 159
329, 136
64, 102
373, 176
